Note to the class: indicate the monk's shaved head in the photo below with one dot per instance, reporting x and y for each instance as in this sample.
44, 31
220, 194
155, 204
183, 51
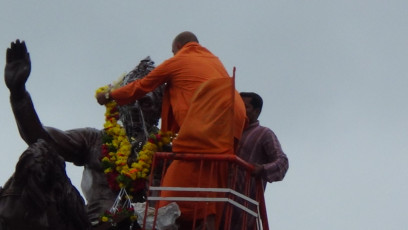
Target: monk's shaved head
185, 37
182, 39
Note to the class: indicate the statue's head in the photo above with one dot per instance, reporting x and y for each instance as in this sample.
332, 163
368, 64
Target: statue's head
42, 172
44, 186
141, 117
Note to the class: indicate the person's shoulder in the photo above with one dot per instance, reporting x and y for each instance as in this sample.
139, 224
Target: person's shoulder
194, 49
265, 130
269, 133
264, 127
168, 63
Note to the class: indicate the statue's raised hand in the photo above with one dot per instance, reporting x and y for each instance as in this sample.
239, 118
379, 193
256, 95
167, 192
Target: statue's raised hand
18, 67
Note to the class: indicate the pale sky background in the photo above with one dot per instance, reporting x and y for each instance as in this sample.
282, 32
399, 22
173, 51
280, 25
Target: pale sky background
333, 75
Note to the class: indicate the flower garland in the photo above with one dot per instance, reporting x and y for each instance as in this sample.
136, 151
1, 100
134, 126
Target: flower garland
116, 149
108, 216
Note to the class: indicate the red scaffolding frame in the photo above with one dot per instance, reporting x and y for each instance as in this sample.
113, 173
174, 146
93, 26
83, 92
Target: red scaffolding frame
236, 196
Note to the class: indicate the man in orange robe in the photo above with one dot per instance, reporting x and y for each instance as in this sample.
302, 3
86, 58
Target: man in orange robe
200, 104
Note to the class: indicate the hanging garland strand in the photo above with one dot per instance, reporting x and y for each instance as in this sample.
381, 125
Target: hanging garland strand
116, 150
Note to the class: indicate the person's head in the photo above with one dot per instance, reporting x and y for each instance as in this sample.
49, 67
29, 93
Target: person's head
181, 39
253, 105
141, 117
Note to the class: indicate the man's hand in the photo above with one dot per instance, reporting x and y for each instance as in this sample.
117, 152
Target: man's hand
18, 67
258, 170
103, 98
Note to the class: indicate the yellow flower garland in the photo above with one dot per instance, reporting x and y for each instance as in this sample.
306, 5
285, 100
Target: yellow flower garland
116, 149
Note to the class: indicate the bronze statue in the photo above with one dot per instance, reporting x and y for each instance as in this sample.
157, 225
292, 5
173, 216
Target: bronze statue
40, 196
81, 146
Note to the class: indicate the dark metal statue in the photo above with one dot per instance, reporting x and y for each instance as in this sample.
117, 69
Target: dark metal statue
40, 196
82, 146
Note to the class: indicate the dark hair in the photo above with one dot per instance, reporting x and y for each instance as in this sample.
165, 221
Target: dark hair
256, 100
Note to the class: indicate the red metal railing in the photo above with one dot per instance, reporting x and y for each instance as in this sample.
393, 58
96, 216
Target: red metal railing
236, 196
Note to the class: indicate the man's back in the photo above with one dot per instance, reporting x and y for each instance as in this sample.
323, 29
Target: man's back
184, 73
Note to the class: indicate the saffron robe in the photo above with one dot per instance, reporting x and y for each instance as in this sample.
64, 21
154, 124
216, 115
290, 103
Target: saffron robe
215, 114
184, 75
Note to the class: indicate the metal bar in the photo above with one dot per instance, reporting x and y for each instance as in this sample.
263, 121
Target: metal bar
255, 206
215, 190
206, 199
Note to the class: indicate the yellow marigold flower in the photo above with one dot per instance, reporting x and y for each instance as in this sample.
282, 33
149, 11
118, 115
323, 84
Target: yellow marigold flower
133, 218
108, 170
132, 176
143, 157
104, 219
107, 125
125, 168
151, 147
138, 166
102, 89
116, 130
126, 148
123, 132
105, 159
166, 140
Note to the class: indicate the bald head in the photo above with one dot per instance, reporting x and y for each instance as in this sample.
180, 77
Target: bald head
182, 39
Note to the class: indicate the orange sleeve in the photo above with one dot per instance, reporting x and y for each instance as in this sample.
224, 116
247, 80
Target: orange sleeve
137, 89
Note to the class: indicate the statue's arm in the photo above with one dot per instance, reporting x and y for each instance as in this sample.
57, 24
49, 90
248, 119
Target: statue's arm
77, 145
28, 123
74, 145
16, 73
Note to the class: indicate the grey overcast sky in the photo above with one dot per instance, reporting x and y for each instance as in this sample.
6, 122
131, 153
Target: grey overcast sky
333, 75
